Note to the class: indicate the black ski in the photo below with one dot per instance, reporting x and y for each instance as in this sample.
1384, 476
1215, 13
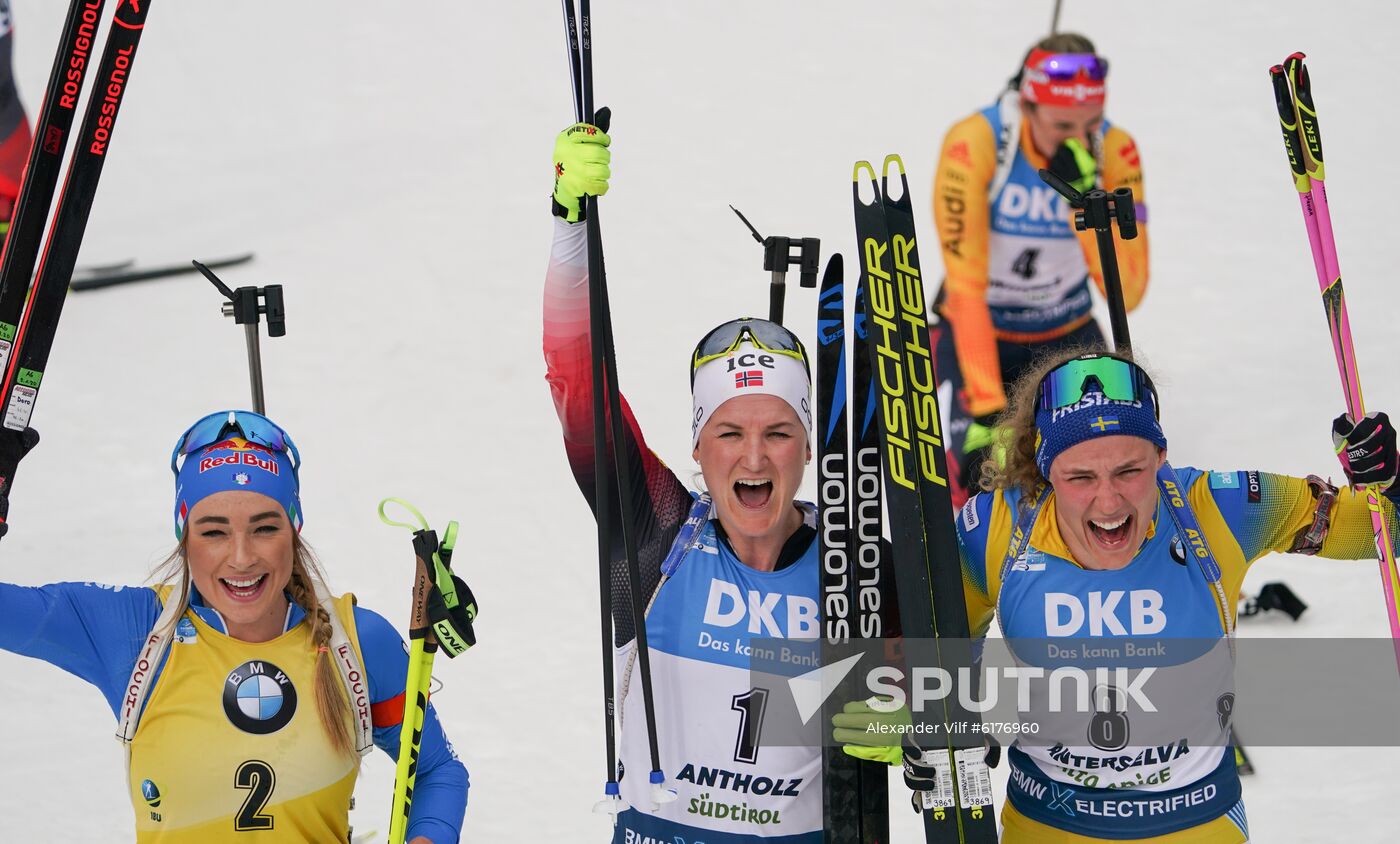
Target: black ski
35, 334
855, 793
26, 233
927, 571
875, 576
840, 772
126, 273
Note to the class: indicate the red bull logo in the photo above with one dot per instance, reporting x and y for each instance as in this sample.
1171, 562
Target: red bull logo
244, 453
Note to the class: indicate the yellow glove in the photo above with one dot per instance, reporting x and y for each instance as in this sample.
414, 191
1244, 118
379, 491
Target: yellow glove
581, 160
873, 729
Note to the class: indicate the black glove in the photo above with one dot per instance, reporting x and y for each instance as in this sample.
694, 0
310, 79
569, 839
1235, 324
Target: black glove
14, 445
921, 774
1075, 163
1367, 450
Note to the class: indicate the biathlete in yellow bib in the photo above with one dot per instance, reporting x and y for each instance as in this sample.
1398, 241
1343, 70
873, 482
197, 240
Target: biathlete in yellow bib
245, 692
1087, 513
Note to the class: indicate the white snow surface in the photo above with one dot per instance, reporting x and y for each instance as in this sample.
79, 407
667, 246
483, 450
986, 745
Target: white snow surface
390, 165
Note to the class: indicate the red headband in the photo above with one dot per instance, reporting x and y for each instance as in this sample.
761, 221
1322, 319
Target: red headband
1063, 79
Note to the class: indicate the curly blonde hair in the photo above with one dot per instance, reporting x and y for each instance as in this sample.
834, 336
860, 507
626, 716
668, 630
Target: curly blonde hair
1018, 469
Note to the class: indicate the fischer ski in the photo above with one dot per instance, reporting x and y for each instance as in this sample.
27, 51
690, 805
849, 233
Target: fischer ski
927, 569
32, 338
128, 272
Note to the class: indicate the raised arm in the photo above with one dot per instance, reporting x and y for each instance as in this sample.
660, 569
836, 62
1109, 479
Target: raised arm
661, 500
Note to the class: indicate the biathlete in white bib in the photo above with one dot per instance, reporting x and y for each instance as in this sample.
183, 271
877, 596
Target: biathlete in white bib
749, 571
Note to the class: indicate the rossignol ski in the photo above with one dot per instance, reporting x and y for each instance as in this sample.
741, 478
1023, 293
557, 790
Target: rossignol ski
30, 335
1303, 143
855, 795
927, 570
36, 191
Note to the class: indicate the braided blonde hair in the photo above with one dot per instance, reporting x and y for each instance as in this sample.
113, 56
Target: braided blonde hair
332, 703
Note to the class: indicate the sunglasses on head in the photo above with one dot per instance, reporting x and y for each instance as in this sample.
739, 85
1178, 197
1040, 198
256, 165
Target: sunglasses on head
1114, 378
218, 427
1065, 67
763, 334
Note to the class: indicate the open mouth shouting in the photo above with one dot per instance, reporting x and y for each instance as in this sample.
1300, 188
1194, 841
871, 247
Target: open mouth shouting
753, 493
1112, 534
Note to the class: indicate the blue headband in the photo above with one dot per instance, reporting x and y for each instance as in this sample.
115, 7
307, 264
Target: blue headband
236, 464
1094, 416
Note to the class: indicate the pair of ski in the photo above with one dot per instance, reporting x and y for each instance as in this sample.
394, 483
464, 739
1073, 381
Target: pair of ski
894, 410
27, 333
1303, 143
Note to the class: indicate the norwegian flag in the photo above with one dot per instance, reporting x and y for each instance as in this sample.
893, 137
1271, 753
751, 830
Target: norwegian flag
748, 378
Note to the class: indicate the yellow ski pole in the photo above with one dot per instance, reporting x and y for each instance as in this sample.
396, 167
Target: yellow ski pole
423, 646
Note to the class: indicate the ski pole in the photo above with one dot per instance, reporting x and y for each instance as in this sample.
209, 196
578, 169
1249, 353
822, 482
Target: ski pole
1303, 143
428, 629
607, 410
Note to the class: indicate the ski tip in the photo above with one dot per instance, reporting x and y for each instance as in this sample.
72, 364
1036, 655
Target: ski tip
862, 167
1297, 57
834, 273
892, 158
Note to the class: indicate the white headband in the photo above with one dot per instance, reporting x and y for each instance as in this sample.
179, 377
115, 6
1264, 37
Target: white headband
749, 371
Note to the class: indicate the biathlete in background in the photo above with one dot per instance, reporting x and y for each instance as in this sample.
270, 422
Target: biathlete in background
1017, 274
14, 126
752, 438
245, 691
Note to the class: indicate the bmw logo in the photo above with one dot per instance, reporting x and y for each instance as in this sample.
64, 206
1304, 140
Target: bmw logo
259, 698
1178, 550
150, 793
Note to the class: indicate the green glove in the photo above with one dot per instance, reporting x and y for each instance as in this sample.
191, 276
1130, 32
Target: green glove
581, 159
873, 729
985, 440
1074, 163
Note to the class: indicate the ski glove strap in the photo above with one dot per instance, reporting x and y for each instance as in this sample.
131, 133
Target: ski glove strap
443, 605
581, 167
451, 606
1366, 449
1310, 541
